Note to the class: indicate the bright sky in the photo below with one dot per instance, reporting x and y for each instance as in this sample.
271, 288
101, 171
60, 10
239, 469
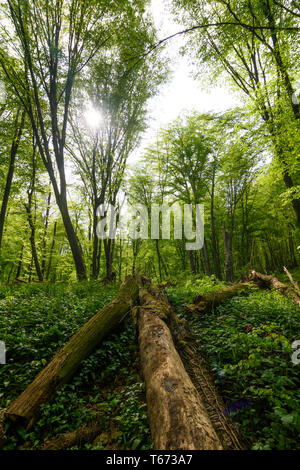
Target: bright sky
182, 93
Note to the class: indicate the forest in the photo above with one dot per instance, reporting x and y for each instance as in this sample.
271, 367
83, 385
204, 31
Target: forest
149, 295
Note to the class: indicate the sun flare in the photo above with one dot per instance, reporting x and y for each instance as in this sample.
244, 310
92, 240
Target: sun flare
93, 117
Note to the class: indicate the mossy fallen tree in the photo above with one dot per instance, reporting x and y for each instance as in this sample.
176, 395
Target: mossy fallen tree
75, 438
177, 416
204, 381
207, 302
201, 376
67, 360
268, 282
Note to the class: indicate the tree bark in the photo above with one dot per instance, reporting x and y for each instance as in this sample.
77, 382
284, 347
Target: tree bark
229, 276
30, 269
213, 234
192, 262
51, 251
20, 263
46, 225
135, 244
33, 245
204, 380
65, 363
10, 273
95, 265
159, 260
72, 238
31, 222
109, 246
177, 416
293, 259
206, 258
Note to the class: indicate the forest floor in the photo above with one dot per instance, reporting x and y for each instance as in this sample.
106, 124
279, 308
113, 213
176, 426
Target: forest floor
247, 342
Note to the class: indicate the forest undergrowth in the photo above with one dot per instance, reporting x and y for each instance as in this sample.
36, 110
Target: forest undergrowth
246, 341
35, 321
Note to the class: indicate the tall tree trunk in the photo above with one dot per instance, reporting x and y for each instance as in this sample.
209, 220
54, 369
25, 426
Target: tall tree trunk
268, 263
229, 276
10, 273
294, 263
295, 202
280, 154
180, 248
18, 130
99, 256
134, 244
72, 238
215, 252
44, 244
109, 246
164, 266
31, 223
121, 260
245, 235
51, 251
20, 263
33, 246
158, 259
95, 270
30, 269
192, 262
206, 258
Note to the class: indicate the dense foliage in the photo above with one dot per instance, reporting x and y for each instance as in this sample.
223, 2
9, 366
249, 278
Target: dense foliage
35, 322
247, 341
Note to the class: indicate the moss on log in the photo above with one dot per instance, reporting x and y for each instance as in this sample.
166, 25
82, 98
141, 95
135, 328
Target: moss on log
65, 363
201, 376
177, 416
204, 381
206, 302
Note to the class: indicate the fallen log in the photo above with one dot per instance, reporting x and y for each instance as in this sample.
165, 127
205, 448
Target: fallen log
202, 377
20, 281
78, 437
207, 302
166, 285
65, 363
177, 416
267, 282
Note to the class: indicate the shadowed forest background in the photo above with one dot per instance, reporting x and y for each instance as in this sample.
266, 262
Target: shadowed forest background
77, 81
